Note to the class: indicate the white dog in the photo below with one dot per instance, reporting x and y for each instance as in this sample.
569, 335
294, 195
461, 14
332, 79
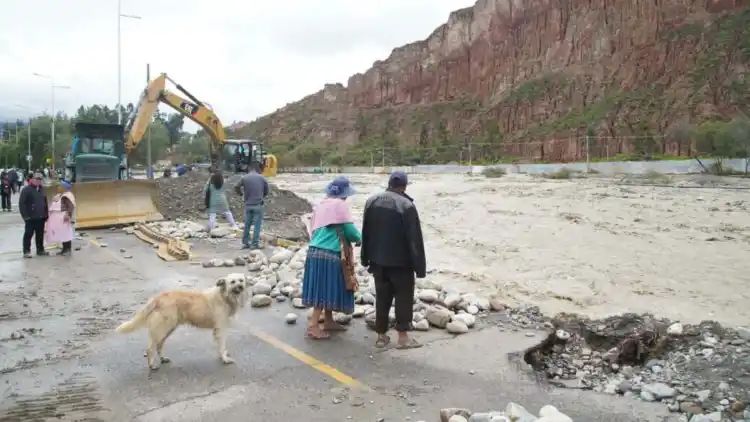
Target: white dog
211, 308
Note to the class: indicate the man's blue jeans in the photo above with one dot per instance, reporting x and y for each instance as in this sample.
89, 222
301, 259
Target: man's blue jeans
253, 217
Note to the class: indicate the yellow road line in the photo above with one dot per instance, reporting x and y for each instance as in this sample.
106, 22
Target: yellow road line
309, 360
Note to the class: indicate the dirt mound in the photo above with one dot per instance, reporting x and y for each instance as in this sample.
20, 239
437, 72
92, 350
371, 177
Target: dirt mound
182, 197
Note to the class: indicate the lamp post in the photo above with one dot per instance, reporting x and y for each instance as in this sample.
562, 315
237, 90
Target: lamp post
120, 15
54, 87
28, 140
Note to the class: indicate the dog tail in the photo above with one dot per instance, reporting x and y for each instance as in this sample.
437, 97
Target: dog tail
139, 319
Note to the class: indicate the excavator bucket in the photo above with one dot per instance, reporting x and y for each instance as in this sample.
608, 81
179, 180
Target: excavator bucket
110, 203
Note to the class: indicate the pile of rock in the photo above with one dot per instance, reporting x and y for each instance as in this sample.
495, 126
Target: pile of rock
513, 413
698, 370
182, 198
179, 229
280, 277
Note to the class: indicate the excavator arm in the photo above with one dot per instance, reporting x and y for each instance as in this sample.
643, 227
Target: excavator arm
193, 109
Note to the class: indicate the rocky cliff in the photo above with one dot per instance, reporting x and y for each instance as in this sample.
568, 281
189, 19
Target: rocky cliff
529, 78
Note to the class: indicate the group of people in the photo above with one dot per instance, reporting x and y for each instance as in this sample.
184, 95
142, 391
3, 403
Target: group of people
254, 188
392, 249
47, 223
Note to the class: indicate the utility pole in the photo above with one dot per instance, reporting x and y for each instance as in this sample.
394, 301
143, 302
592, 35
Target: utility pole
149, 173
383, 158
28, 157
372, 162
120, 15
588, 163
469, 155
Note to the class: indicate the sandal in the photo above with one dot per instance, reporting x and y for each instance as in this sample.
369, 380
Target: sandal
322, 336
382, 342
412, 344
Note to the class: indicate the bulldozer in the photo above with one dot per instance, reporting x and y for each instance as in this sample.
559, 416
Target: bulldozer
107, 195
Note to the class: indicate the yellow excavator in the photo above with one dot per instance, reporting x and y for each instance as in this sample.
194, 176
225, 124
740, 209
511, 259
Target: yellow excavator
105, 193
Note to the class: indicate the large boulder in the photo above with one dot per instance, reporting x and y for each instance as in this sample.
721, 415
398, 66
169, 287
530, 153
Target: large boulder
438, 317
260, 301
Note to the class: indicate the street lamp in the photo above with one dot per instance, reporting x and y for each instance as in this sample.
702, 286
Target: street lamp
28, 154
119, 58
54, 87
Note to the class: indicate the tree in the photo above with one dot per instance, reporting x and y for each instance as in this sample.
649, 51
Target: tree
174, 127
679, 132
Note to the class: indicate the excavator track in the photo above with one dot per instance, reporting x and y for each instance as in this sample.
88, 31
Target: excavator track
168, 248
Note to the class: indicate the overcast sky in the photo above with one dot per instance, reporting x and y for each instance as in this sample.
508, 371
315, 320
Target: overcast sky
244, 57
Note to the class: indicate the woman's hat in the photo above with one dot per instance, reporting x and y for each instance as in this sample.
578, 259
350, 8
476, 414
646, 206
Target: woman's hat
340, 188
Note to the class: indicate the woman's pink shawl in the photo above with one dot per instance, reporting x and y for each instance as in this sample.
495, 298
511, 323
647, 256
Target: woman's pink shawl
330, 211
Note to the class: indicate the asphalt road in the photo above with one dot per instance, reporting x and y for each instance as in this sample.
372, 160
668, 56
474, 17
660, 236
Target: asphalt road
71, 365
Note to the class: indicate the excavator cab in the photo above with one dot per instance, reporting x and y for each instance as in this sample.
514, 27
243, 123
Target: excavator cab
239, 154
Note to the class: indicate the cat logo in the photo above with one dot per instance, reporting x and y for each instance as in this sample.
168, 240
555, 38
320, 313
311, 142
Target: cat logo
189, 107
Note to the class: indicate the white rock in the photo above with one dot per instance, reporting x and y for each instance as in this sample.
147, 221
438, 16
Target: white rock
452, 300
659, 390
342, 318
472, 309
229, 262
418, 316
468, 319
457, 418
368, 298
518, 413
275, 293
281, 256
422, 325
216, 262
496, 304
744, 333
423, 283
254, 266
261, 289
429, 295
550, 413
457, 327
675, 329
438, 317
297, 303
259, 301
711, 417
482, 303
221, 232
489, 417
562, 335
290, 318
281, 298
359, 311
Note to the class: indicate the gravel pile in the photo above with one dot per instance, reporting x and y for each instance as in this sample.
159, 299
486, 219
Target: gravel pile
182, 198
701, 371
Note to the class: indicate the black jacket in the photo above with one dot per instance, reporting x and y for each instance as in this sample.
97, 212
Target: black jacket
33, 203
392, 234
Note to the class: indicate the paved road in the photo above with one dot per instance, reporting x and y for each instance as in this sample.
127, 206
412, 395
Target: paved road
77, 368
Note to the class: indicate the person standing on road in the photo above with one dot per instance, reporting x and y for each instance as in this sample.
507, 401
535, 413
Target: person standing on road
324, 286
217, 201
254, 187
393, 249
6, 191
60, 223
33, 206
13, 179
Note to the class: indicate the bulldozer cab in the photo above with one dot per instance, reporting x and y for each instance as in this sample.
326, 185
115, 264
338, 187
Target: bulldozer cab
97, 153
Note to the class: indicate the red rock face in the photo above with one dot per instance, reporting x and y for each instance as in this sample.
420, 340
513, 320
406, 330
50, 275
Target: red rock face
598, 61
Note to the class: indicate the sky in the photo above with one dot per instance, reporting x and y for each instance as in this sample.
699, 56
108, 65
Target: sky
245, 58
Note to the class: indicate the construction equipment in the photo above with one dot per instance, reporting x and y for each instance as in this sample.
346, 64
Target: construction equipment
97, 163
235, 155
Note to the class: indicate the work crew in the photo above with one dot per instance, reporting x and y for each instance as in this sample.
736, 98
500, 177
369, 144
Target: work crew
393, 249
255, 189
33, 206
324, 285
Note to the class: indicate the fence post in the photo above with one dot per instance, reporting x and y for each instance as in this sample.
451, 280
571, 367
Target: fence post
383, 158
588, 163
469, 157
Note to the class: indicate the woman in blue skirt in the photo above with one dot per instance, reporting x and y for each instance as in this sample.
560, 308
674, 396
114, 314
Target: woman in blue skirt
323, 286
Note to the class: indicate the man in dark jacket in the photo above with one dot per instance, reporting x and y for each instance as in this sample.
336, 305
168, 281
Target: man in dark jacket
33, 206
13, 178
393, 248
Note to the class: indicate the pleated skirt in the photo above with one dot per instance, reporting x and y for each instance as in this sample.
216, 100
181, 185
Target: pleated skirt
323, 284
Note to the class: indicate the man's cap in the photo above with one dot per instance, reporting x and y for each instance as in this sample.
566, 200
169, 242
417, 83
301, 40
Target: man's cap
398, 179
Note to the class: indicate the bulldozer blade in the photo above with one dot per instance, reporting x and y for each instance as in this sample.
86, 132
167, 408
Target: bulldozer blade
111, 203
